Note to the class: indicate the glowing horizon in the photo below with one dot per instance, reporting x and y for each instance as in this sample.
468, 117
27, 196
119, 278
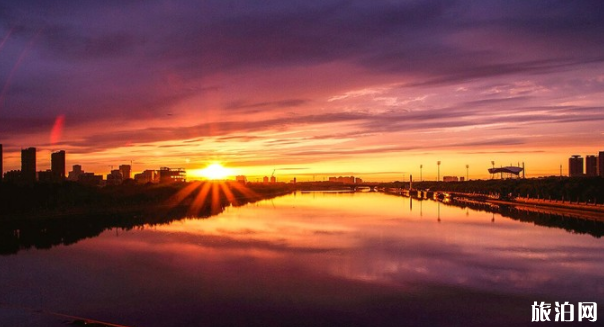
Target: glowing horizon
367, 89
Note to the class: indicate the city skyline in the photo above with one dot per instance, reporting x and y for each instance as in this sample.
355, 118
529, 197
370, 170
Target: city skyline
371, 89
590, 166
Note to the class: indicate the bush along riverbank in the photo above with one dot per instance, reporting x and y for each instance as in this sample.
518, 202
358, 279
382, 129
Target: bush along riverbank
40, 200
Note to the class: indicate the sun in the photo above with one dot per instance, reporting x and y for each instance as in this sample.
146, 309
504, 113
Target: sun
215, 171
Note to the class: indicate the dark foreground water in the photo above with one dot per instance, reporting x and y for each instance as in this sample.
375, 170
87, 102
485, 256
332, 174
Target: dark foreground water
311, 259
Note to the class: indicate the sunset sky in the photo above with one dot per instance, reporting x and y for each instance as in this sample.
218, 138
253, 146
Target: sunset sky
310, 88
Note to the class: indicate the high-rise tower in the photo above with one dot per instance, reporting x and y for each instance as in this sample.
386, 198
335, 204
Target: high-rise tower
1, 158
575, 166
591, 165
28, 165
125, 170
601, 163
57, 165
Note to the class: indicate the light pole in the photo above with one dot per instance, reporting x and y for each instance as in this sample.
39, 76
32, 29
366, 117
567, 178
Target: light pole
467, 172
420, 173
438, 163
492, 173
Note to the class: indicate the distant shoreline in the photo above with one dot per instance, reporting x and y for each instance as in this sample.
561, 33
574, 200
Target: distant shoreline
51, 201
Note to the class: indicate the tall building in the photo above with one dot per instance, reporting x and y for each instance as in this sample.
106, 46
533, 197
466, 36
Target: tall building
57, 165
125, 170
28, 165
575, 166
601, 163
1, 168
591, 165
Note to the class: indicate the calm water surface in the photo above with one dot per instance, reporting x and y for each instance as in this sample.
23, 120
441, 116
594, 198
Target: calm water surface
309, 259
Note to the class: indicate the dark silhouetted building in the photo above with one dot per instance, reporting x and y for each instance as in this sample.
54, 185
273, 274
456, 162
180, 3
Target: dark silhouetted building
344, 180
265, 180
450, 179
115, 177
57, 165
591, 166
28, 165
78, 175
601, 163
47, 176
147, 176
13, 176
512, 171
241, 179
90, 179
125, 170
273, 179
75, 174
1, 168
171, 175
575, 166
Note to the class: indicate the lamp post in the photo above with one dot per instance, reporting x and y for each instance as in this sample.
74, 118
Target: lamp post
493, 174
438, 163
467, 172
420, 173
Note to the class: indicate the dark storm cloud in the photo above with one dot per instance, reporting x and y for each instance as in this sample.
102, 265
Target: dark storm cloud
113, 60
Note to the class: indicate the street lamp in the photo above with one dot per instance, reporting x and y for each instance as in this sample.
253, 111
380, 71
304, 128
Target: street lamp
420, 173
492, 173
438, 163
467, 172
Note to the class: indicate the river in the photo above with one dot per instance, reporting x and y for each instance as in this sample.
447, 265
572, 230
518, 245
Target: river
309, 259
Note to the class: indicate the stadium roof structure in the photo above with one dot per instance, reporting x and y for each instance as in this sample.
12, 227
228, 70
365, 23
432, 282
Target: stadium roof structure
507, 170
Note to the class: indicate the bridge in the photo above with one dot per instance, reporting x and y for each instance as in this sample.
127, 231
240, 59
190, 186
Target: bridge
336, 186
370, 186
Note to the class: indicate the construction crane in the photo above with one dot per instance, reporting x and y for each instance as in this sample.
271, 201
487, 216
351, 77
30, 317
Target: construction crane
273, 174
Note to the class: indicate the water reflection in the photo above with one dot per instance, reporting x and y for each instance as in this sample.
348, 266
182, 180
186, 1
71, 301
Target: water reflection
44, 234
315, 259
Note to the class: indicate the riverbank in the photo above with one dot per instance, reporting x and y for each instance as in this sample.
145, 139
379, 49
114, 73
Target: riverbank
583, 210
581, 190
590, 211
546, 207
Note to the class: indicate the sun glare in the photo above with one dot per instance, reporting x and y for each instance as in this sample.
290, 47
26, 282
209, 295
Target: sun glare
215, 171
